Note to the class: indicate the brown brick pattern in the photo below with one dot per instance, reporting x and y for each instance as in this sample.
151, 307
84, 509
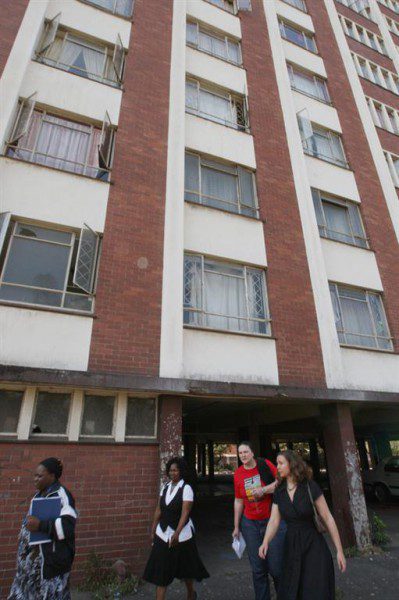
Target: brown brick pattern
12, 12
291, 300
126, 333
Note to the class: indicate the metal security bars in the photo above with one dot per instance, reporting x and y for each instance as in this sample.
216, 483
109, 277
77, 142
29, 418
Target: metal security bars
363, 35
225, 296
220, 46
122, 8
217, 105
360, 318
49, 267
220, 185
309, 84
298, 36
42, 138
75, 54
339, 219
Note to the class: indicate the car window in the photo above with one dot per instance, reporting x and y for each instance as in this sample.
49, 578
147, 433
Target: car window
392, 466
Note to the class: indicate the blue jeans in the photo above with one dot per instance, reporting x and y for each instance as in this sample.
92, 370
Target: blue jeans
253, 532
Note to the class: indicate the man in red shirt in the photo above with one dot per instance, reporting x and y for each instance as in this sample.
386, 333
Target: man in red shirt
254, 485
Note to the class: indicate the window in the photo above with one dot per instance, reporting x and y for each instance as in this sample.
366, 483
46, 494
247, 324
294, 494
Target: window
360, 318
217, 45
98, 416
227, 5
220, 185
379, 115
51, 414
244, 4
393, 120
141, 418
10, 407
48, 267
46, 139
308, 84
123, 8
360, 6
339, 219
362, 35
216, 105
224, 296
393, 164
300, 4
392, 465
298, 36
376, 74
322, 143
69, 52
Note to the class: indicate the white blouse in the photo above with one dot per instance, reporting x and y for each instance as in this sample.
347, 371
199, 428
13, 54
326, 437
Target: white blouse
188, 496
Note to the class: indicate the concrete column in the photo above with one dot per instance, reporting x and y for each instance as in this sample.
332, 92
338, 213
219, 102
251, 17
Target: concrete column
170, 434
349, 505
314, 458
211, 461
382, 445
364, 462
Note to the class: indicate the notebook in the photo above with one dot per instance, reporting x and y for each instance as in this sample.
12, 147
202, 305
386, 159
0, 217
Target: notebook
43, 509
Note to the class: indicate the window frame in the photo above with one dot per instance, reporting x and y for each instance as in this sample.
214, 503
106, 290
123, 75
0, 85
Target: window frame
143, 437
302, 2
391, 158
322, 197
90, 436
229, 6
216, 35
306, 35
13, 434
371, 68
344, 332
10, 235
64, 436
203, 313
316, 79
307, 143
110, 11
361, 34
203, 159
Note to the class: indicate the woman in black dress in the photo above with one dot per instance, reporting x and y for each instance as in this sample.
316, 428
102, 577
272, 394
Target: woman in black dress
308, 570
174, 551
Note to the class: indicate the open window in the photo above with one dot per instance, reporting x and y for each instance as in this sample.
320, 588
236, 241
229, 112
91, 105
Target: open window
85, 266
24, 116
50, 33
106, 143
118, 59
305, 126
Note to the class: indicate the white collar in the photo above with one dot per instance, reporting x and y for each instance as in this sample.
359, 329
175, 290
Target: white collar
178, 485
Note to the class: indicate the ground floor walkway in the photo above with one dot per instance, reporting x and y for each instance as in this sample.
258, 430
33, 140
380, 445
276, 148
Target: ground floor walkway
375, 577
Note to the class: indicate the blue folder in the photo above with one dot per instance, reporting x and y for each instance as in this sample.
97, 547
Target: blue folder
44, 509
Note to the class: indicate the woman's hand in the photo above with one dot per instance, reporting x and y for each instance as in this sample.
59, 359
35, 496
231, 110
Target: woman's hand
32, 524
263, 550
174, 540
236, 533
341, 560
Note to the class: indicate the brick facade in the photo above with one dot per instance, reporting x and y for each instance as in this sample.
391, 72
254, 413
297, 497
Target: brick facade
115, 488
377, 221
126, 333
12, 12
376, 57
290, 293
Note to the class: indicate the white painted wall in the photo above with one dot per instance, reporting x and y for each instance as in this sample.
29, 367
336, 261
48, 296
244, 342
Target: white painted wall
218, 356
90, 20
332, 179
366, 370
217, 71
214, 16
220, 234
351, 265
71, 93
33, 338
318, 112
294, 15
303, 58
220, 141
18, 60
52, 196
171, 348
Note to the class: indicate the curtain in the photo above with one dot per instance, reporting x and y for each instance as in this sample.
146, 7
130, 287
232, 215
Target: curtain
336, 148
123, 7
205, 42
192, 33
321, 145
222, 187
29, 139
88, 61
304, 83
225, 295
215, 106
69, 53
65, 141
356, 317
191, 95
54, 50
337, 222
191, 177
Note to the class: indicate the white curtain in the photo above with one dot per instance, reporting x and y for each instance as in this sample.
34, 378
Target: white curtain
234, 52
66, 143
337, 222
214, 106
191, 95
357, 320
91, 60
225, 295
304, 83
69, 53
218, 185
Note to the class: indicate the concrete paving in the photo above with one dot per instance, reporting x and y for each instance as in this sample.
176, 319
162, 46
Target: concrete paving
374, 578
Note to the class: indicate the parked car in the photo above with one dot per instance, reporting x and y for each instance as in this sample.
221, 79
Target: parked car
383, 480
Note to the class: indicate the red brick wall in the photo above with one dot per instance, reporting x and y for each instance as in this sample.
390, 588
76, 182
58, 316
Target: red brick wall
288, 281
12, 12
374, 208
126, 333
376, 57
357, 18
389, 141
115, 488
379, 93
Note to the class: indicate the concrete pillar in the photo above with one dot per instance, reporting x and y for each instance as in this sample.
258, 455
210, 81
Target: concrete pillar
349, 505
382, 445
361, 446
170, 434
314, 458
211, 461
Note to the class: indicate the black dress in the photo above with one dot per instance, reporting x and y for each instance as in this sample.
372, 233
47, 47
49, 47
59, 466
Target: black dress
181, 561
308, 569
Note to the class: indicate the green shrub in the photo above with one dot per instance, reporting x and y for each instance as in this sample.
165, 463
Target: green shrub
379, 536
102, 581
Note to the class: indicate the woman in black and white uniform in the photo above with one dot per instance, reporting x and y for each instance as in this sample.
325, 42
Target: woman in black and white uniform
174, 552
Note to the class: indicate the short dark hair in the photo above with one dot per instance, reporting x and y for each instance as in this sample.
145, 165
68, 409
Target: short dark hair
246, 443
181, 465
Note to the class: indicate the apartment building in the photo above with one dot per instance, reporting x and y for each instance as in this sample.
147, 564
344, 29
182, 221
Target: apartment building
199, 243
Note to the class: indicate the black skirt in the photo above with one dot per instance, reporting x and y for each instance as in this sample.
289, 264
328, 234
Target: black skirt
181, 562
